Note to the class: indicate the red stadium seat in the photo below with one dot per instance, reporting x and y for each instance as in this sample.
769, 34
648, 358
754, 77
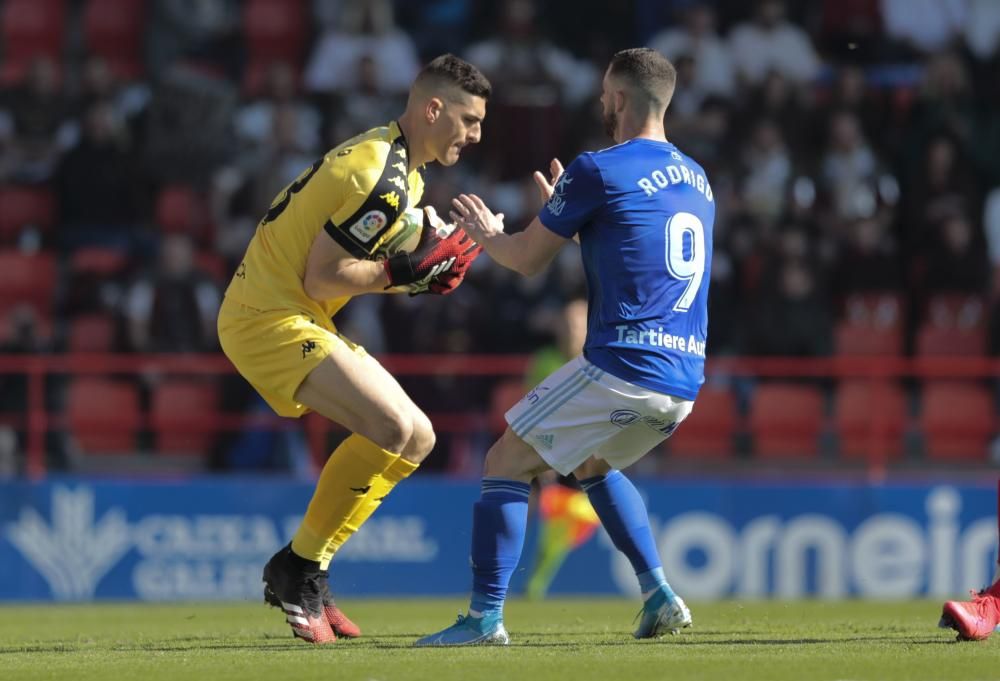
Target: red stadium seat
103, 415
957, 418
182, 416
786, 420
114, 29
28, 29
505, 395
28, 279
859, 407
852, 339
92, 333
939, 340
872, 324
22, 207
275, 29
709, 430
179, 209
953, 324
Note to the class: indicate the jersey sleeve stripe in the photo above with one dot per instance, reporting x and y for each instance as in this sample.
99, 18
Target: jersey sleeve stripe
386, 201
343, 238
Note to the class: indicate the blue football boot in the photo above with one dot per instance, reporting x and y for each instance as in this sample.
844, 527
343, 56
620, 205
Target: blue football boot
661, 614
470, 631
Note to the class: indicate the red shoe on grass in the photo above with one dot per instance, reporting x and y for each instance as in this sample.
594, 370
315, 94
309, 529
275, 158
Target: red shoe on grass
341, 624
974, 620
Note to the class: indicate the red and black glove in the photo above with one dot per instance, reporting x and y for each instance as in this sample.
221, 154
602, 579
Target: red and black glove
449, 280
434, 263
444, 283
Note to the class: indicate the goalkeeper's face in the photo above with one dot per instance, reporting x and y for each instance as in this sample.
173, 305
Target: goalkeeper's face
458, 123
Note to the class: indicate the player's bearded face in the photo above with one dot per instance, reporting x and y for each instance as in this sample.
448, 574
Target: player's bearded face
610, 122
608, 115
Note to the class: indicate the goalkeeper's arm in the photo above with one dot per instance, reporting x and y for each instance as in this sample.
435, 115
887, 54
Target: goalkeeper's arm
332, 272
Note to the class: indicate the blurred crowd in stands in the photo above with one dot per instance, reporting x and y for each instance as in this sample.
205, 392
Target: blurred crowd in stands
853, 147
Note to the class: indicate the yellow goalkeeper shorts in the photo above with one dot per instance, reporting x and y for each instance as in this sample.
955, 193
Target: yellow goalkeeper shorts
274, 350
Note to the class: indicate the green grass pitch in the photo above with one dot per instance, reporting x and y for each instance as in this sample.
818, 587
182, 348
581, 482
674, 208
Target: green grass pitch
575, 639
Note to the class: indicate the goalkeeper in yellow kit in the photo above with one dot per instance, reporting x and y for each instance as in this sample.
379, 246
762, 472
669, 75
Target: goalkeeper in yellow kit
324, 240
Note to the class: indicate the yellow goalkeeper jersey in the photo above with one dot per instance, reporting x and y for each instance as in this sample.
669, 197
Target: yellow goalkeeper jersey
356, 193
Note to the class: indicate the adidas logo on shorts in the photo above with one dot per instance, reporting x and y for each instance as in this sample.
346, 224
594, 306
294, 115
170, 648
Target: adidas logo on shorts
546, 440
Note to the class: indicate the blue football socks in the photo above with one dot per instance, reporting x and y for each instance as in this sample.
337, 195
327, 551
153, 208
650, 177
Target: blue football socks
499, 520
623, 514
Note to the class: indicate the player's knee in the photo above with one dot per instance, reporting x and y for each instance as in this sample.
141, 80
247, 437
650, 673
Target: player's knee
393, 430
507, 460
495, 464
422, 439
500, 464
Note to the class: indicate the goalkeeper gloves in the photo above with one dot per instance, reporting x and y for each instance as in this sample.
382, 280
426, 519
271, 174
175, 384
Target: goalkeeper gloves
436, 265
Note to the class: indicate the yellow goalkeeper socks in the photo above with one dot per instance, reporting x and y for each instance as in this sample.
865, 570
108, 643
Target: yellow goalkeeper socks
345, 485
398, 470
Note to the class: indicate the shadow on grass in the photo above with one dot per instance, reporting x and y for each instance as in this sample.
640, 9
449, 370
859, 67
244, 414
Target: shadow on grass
806, 641
405, 641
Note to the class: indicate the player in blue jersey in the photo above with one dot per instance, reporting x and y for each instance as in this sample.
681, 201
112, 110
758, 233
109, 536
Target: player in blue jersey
643, 214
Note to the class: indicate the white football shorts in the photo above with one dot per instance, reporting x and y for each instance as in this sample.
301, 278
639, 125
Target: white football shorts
582, 411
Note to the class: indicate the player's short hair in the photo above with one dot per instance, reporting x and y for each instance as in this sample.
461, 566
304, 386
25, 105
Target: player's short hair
648, 71
451, 70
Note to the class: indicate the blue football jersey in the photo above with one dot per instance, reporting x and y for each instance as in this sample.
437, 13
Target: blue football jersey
644, 214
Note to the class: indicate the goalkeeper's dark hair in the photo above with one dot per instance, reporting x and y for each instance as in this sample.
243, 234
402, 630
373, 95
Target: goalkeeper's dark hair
451, 70
647, 71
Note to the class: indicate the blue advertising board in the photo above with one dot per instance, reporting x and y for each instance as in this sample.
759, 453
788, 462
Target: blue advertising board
74, 539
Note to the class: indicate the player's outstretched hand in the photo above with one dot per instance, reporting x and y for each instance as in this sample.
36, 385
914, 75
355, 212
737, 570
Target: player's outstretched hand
547, 187
472, 215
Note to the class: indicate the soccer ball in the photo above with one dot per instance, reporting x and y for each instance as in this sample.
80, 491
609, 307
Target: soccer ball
410, 227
